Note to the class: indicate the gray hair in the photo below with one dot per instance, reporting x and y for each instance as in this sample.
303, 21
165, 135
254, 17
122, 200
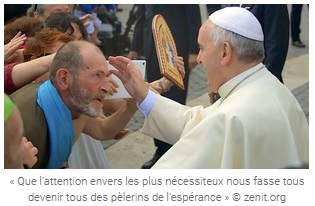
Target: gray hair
39, 8
247, 50
68, 57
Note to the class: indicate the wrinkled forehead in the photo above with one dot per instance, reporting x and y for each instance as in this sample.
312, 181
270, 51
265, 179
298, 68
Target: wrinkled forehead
94, 59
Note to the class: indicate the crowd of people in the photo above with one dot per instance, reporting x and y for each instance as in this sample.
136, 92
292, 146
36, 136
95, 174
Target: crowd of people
56, 78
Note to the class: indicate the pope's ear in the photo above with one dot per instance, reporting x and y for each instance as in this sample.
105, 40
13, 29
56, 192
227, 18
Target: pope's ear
63, 78
226, 53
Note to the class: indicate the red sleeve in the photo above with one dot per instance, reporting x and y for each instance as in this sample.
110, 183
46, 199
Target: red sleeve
9, 86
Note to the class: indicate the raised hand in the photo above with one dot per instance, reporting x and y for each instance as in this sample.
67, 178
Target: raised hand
130, 76
11, 47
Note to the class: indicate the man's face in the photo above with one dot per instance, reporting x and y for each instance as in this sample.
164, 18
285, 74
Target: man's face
53, 8
88, 91
209, 56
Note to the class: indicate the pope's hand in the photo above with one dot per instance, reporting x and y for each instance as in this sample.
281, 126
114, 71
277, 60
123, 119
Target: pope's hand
130, 76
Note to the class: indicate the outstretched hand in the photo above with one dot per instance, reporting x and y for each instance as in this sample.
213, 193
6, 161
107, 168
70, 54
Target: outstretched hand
11, 47
130, 76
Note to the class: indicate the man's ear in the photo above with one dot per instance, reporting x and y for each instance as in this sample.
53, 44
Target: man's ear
226, 53
63, 78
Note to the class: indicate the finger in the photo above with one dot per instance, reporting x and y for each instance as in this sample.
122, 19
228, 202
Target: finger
125, 130
112, 81
16, 44
17, 35
36, 150
179, 62
181, 70
122, 133
120, 63
24, 140
18, 40
22, 37
179, 58
29, 145
111, 92
115, 89
10, 48
85, 17
31, 161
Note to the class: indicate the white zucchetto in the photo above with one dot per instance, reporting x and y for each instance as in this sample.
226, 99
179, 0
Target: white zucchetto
238, 20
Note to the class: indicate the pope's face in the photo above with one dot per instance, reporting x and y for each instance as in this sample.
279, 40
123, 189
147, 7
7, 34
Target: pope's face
209, 56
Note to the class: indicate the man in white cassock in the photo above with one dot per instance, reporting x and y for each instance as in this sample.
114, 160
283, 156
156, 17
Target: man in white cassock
257, 122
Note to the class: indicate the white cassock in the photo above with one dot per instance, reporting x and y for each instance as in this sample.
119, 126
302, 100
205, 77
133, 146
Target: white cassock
88, 153
257, 123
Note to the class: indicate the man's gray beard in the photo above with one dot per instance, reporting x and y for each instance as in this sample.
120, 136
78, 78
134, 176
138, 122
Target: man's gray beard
81, 102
